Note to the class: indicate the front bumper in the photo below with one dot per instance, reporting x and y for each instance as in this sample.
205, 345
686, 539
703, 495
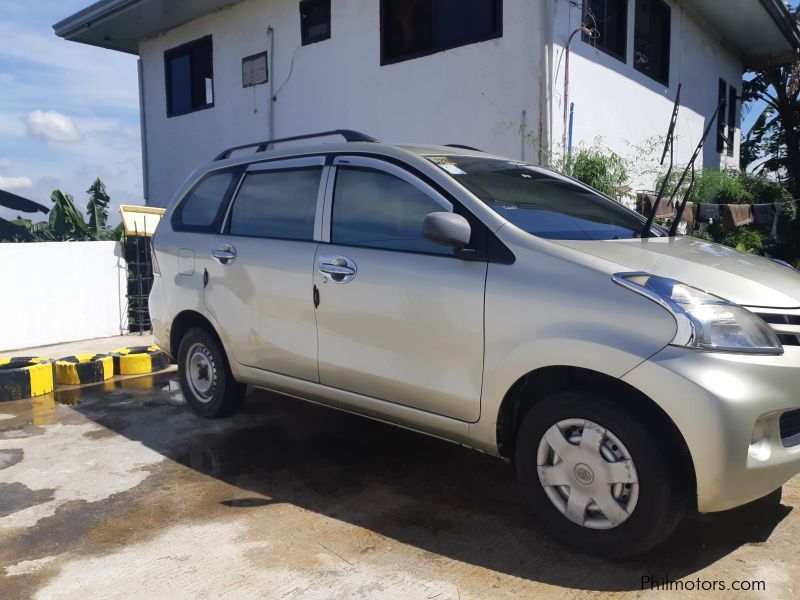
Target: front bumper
728, 408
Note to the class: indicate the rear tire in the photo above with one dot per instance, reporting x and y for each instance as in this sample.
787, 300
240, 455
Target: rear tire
568, 441
205, 376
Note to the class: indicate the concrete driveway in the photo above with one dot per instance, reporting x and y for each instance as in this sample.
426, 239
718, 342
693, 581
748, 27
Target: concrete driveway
118, 491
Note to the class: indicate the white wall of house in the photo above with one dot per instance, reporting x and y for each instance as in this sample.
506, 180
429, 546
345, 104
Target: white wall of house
61, 292
472, 95
627, 109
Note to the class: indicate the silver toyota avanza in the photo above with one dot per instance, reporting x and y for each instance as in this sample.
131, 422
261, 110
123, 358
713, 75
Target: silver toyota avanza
631, 377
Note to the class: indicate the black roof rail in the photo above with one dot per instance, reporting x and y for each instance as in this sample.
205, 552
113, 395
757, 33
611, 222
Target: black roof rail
463, 147
348, 134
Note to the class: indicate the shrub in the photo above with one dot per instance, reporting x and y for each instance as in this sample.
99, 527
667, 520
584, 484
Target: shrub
747, 240
600, 168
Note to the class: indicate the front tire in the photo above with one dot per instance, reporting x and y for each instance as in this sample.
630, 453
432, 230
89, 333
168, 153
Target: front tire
596, 477
205, 376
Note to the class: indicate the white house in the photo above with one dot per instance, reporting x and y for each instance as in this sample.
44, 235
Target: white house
485, 73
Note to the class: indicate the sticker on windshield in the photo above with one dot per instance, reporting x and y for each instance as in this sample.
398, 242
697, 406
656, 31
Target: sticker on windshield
446, 164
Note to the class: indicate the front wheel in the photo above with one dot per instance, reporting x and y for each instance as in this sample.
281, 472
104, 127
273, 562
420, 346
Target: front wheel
595, 477
206, 379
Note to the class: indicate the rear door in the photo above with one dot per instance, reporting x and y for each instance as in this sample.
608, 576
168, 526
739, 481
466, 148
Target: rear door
259, 284
400, 318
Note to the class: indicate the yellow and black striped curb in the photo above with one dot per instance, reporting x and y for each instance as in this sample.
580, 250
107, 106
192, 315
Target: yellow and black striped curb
84, 368
25, 377
139, 360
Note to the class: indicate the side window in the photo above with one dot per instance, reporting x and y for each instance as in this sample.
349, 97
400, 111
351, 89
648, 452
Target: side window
204, 208
277, 204
378, 210
609, 18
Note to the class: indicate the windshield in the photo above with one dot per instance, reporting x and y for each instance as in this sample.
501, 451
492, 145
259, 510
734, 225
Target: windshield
543, 202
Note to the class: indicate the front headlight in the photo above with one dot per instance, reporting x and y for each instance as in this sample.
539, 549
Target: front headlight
705, 322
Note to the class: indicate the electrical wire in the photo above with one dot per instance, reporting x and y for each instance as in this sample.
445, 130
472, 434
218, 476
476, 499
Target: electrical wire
288, 77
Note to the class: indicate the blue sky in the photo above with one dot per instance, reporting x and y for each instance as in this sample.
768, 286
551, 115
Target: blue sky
68, 112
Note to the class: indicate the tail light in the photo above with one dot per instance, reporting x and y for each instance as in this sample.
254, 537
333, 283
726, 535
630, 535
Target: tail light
156, 268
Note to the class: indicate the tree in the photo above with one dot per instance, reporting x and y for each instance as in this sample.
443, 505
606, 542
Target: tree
775, 136
66, 221
97, 207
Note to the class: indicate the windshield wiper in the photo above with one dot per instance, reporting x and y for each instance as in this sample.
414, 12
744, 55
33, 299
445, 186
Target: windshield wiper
669, 145
674, 228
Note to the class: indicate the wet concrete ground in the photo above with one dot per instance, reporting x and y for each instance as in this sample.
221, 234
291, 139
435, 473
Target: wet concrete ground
119, 491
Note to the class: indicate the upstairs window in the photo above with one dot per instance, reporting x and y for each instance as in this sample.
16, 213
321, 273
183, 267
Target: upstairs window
610, 19
733, 96
190, 77
414, 28
315, 21
651, 39
722, 101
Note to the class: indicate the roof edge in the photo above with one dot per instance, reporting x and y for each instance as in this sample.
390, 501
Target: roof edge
90, 15
784, 20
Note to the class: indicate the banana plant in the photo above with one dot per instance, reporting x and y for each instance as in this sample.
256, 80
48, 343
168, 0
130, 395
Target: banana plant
97, 207
66, 221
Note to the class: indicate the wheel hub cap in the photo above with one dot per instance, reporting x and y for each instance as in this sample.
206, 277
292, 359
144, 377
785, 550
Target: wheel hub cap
201, 372
588, 474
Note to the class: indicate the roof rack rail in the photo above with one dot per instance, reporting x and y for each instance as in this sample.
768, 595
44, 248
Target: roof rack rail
348, 134
463, 147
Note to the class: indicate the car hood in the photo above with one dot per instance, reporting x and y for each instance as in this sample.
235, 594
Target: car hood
742, 278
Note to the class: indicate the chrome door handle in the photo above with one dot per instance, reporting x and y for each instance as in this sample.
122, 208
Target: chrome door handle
224, 253
339, 269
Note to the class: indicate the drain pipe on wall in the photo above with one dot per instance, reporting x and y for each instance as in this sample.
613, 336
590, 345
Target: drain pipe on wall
271, 75
565, 124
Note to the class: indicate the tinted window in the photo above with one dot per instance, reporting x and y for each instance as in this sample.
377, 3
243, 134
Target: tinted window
375, 209
277, 204
412, 28
543, 202
651, 41
609, 20
203, 209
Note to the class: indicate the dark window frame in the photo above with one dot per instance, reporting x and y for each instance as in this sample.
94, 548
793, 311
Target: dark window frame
183, 50
215, 226
733, 96
668, 8
722, 103
592, 41
307, 5
226, 230
435, 49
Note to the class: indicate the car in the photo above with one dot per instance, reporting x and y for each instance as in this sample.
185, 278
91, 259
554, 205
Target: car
631, 378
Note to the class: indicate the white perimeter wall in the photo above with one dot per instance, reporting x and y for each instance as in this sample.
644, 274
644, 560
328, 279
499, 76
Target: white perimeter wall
625, 107
470, 95
61, 292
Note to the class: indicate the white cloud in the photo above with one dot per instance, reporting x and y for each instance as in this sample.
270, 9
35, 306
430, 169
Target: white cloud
52, 126
15, 183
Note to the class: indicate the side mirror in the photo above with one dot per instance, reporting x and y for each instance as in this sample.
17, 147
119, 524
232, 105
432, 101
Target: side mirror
448, 229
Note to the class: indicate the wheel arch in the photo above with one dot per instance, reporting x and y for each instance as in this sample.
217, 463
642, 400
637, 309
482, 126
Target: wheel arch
535, 386
185, 321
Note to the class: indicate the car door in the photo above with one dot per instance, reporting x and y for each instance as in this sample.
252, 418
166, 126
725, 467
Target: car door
400, 318
259, 282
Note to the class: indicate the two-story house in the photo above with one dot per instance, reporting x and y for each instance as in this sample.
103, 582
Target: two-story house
486, 73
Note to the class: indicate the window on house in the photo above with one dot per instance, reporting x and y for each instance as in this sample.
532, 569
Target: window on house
190, 77
610, 19
414, 28
651, 40
722, 102
732, 105
255, 70
315, 21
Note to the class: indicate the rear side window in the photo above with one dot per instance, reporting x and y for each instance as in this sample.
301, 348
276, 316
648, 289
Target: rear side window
277, 204
204, 208
378, 210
